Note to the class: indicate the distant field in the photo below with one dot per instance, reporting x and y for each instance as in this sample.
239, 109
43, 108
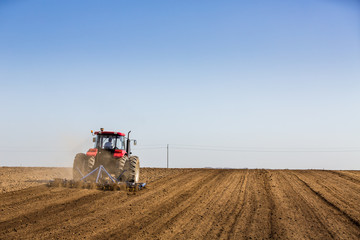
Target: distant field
185, 204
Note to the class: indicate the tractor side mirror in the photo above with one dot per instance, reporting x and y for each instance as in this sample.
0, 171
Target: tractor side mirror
135, 142
94, 139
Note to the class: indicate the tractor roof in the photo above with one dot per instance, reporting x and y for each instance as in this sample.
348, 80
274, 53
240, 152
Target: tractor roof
109, 133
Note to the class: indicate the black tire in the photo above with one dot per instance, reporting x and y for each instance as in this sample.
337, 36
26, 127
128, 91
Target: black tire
82, 165
132, 167
120, 163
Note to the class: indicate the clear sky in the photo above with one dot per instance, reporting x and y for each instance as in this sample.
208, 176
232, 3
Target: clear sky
243, 84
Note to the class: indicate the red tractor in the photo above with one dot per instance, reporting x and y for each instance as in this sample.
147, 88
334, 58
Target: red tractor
111, 152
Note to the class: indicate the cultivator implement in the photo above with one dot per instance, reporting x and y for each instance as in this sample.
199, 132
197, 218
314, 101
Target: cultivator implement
99, 178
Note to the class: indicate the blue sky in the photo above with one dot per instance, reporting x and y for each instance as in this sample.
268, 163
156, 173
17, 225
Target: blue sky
231, 75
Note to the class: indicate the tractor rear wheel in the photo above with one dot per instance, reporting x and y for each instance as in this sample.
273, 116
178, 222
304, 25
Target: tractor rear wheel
120, 163
132, 167
82, 165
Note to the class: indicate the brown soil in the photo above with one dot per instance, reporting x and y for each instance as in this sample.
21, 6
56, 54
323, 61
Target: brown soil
186, 204
16, 178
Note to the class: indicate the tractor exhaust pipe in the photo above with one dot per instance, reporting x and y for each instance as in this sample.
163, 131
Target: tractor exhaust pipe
128, 149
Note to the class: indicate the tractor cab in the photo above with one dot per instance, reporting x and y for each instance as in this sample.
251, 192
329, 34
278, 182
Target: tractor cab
109, 142
112, 143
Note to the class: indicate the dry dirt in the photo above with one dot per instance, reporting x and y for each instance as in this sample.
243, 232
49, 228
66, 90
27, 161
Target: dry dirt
185, 204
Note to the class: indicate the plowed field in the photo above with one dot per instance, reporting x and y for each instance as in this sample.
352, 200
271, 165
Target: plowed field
192, 204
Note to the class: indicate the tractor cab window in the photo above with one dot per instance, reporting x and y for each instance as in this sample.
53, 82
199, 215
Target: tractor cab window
110, 142
120, 143
107, 142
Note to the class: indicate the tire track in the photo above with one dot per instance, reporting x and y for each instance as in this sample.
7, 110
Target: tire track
159, 209
23, 196
352, 220
202, 219
112, 205
344, 176
225, 219
17, 224
340, 184
257, 208
270, 198
308, 214
337, 191
181, 212
240, 206
41, 196
73, 210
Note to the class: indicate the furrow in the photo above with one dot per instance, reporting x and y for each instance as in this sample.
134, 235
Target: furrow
354, 221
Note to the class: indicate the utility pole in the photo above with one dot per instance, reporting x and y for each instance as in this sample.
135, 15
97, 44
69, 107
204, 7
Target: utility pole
167, 156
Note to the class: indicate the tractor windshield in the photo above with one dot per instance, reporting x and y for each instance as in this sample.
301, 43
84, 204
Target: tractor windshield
110, 142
